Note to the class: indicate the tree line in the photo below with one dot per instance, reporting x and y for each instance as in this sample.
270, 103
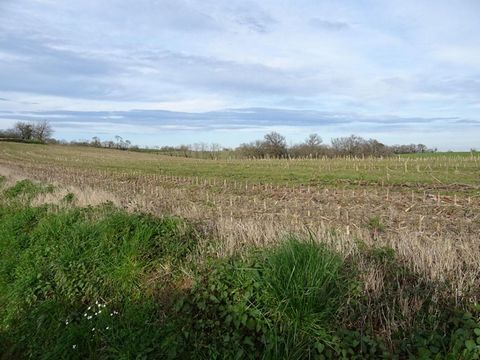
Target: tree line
118, 143
273, 145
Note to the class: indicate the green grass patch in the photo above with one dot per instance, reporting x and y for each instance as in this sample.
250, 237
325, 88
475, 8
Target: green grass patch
304, 280
27, 189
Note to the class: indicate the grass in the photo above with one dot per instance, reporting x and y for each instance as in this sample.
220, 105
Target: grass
452, 154
304, 280
432, 226
28, 189
58, 264
424, 169
280, 302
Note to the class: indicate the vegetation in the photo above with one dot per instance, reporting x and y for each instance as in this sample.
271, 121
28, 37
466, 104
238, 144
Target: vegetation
273, 146
74, 282
36, 132
98, 282
272, 258
418, 170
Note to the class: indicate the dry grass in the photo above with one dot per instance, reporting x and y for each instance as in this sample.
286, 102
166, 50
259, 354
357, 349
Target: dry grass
437, 237
11, 175
82, 196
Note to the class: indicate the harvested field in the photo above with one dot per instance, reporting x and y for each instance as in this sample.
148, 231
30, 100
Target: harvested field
425, 209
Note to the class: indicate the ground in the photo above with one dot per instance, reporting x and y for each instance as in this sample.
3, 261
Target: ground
424, 209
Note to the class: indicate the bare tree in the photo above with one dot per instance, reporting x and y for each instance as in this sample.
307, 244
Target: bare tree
9, 133
119, 140
24, 130
42, 131
96, 141
275, 144
215, 150
348, 145
421, 148
255, 149
313, 140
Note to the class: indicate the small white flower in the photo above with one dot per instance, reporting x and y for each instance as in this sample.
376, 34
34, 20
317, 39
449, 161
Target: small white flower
89, 308
85, 314
96, 302
111, 314
93, 329
108, 327
66, 322
99, 311
74, 346
88, 318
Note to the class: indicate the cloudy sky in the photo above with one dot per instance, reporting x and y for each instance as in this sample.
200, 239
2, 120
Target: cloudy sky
183, 71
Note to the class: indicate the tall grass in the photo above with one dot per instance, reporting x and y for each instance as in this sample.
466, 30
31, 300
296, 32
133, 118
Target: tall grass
304, 280
304, 286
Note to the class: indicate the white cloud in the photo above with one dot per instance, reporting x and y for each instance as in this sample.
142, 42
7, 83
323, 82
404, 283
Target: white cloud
403, 58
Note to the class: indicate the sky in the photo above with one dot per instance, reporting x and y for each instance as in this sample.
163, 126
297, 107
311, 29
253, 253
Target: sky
185, 71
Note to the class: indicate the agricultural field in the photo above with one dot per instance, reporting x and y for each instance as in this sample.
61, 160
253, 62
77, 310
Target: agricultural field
312, 258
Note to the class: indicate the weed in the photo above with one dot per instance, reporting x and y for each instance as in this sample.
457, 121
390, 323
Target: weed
376, 226
27, 189
69, 198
